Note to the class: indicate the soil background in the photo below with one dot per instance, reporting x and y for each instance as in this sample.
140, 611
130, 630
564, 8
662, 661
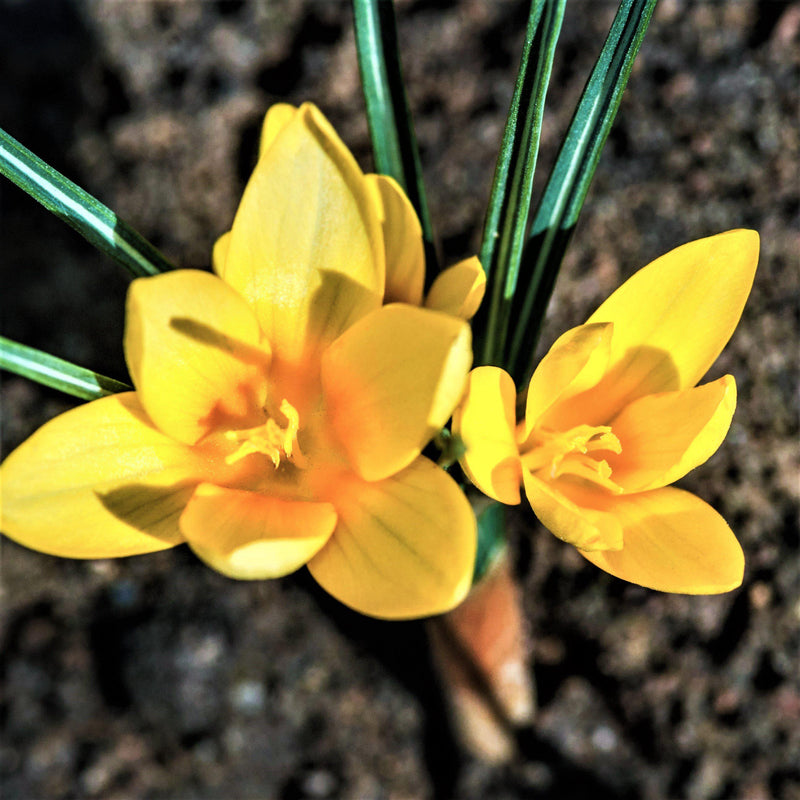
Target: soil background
154, 677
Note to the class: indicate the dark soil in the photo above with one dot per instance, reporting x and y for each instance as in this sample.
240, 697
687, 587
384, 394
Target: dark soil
154, 677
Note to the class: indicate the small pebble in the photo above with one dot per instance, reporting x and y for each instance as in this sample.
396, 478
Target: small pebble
320, 783
248, 697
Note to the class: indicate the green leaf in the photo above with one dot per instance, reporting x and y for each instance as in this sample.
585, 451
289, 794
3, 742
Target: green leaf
491, 517
388, 115
506, 228
568, 184
79, 209
55, 372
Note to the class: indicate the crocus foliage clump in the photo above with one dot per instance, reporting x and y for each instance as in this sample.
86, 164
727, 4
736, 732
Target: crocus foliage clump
614, 415
281, 405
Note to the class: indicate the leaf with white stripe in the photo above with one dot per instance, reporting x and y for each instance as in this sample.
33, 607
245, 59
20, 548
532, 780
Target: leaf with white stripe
55, 372
94, 221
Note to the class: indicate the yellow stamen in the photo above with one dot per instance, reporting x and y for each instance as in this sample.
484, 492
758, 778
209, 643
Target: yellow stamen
292, 427
270, 439
560, 453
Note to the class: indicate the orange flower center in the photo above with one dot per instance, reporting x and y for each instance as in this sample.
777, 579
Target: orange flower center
575, 452
275, 438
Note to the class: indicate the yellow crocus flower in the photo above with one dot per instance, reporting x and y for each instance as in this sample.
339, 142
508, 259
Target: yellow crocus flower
281, 405
457, 290
613, 415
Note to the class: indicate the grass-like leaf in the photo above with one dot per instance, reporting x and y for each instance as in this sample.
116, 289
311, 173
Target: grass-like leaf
506, 227
88, 216
568, 184
391, 128
55, 372
491, 537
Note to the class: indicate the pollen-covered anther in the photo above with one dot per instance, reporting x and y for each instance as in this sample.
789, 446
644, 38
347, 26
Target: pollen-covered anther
271, 439
562, 453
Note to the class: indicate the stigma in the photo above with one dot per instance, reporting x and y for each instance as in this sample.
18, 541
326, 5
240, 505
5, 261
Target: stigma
275, 439
575, 452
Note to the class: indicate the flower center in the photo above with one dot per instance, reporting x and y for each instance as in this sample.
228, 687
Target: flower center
274, 439
573, 452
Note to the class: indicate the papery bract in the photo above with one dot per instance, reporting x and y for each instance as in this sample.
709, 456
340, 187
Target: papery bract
613, 416
281, 408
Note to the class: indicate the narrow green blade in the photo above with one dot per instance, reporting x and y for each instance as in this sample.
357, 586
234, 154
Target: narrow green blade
506, 227
88, 216
388, 115
55, 372
569, 181
491, 518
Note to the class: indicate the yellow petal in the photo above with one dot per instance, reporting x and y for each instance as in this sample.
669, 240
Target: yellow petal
98, 482
459, 289
192, 347
404, 547
402, 237
276, 119
674, 316
306, 247
672, 542
485, 422
571, 521
664, 436
251, 536
577, 361
391, 382
220, 252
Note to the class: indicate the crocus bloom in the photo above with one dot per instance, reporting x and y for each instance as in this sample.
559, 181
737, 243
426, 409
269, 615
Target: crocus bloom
613, 415
457, 290
280, 407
